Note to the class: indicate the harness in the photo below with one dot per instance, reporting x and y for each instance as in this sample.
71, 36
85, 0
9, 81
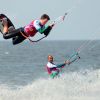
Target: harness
49, 70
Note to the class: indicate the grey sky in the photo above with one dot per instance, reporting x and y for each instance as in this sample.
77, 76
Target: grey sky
81, 23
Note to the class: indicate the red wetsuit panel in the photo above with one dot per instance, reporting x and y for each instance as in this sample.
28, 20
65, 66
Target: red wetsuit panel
30, 29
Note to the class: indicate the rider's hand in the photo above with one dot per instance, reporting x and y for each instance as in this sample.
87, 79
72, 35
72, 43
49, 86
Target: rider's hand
67, 62
52, 25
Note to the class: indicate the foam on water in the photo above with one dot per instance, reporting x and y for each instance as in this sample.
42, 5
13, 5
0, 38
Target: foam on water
70, 86
6, 52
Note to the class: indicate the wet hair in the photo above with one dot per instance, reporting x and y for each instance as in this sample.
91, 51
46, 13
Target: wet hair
45, 16
50, 56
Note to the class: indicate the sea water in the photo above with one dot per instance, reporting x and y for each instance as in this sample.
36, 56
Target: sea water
23, 75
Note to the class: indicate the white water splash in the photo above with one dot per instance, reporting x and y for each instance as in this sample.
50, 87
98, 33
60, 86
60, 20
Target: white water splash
6, 52
72, 86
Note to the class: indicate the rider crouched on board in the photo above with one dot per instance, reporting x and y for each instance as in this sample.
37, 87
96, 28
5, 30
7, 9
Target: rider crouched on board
53, 69
19, 35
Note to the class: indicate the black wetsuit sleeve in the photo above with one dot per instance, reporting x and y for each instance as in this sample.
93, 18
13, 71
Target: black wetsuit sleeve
45, 30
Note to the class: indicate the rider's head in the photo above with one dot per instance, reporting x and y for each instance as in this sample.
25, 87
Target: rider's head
50, 58
44, 19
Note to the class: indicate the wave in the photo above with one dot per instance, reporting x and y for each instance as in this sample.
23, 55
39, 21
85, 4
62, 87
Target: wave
70, 86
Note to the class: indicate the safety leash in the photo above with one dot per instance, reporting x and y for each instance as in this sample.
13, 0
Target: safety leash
30, 39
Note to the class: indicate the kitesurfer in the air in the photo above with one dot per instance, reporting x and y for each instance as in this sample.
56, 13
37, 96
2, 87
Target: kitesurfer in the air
53, 69
19, 35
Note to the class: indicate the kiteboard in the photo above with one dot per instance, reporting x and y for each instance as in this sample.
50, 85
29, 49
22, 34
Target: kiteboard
10, 24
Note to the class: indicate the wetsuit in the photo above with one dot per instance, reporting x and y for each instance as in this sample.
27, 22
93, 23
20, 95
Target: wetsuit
29, 31
53, 70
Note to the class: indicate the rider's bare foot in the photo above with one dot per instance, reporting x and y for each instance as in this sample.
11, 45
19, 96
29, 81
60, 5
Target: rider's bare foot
5, 23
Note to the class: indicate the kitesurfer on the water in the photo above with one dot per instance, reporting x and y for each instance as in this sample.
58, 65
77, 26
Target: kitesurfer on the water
30, 30
53, 69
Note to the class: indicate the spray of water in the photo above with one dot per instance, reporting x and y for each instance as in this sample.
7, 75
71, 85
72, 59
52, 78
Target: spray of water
71, 86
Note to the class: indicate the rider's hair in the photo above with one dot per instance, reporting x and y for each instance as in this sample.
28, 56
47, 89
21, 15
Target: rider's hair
45, 16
